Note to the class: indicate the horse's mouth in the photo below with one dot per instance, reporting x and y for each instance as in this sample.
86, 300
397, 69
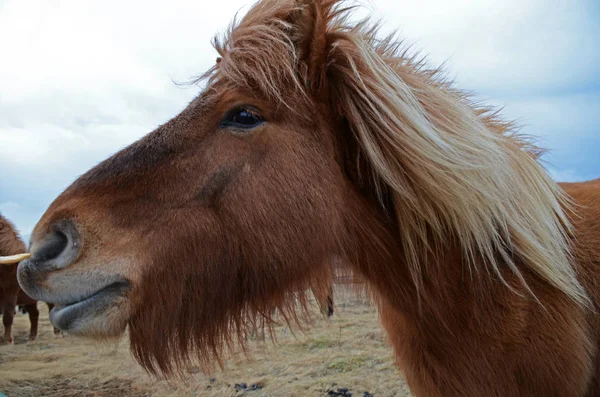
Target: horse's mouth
76, 317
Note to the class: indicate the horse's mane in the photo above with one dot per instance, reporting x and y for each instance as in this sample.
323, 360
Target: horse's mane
454, 169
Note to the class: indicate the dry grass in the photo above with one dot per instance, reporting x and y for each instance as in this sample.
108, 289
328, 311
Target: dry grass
349, 351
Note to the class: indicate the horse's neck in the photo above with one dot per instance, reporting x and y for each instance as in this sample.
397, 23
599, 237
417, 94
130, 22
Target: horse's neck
374, 252
445, 285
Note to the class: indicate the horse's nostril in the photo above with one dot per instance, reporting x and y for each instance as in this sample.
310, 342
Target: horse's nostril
52, 247
59, 248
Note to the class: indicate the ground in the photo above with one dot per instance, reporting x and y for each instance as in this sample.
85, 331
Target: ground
350, 350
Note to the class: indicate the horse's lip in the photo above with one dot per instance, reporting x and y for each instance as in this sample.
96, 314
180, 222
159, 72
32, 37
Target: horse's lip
63, 316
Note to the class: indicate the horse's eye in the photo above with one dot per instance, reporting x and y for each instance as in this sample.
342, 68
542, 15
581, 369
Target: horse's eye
242, 118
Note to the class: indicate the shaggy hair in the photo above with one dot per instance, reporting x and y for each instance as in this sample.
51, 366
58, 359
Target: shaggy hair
445, 170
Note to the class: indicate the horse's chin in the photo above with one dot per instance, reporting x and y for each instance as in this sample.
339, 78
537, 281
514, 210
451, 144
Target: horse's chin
101, 315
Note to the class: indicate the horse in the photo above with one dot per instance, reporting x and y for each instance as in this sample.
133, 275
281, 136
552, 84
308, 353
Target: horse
11, 296
316, 139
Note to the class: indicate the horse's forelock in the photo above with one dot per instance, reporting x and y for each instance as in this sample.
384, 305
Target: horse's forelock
277, 49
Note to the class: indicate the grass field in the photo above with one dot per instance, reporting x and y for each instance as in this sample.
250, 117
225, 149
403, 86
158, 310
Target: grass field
350, 350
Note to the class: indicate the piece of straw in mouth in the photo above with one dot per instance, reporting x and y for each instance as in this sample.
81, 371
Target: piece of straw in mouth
11, 259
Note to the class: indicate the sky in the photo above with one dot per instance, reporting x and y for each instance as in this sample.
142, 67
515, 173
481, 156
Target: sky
80, 80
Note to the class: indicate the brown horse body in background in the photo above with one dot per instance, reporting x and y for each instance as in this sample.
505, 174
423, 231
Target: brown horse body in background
313, 140
11, 295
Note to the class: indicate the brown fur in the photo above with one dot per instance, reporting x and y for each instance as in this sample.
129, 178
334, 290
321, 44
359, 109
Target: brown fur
485, 272
11, 295
11, 244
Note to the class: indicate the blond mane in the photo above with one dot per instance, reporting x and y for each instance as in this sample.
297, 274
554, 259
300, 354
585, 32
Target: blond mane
455, 169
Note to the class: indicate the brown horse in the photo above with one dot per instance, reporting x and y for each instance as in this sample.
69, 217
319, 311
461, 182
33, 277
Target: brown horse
10, 293
315, 139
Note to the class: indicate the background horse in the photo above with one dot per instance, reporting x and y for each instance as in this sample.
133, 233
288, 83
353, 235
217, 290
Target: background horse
10, 293
317, 139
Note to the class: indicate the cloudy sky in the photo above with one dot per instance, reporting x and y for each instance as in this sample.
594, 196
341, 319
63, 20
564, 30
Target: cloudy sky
81, 79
